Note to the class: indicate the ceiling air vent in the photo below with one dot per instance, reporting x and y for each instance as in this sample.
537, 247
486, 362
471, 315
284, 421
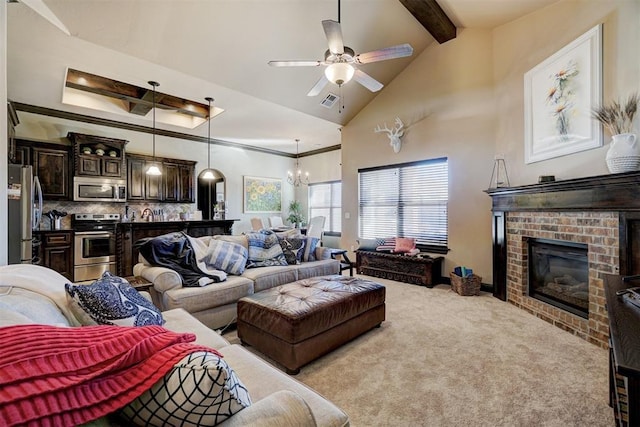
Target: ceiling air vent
329, 100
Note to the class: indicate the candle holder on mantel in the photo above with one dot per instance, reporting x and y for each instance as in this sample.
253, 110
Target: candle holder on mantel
499, 176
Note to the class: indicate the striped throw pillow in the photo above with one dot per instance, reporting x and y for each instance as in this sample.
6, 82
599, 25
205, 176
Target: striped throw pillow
226, 256
264, 249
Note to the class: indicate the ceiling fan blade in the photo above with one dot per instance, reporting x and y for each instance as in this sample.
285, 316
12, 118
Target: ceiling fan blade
334, 36
367, 81
320, 84
392, 52
294, 63
41, 8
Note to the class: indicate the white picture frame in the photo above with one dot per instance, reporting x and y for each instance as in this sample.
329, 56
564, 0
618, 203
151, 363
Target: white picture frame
559, 96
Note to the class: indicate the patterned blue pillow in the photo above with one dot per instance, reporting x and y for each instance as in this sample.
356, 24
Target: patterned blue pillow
310, 249
293, 249
201, 390
226, 256
264, 249
111, 300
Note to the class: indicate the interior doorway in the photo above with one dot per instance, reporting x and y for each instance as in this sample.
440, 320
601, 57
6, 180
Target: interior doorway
210, 193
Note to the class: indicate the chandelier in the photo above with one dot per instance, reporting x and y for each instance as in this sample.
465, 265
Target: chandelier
296, 179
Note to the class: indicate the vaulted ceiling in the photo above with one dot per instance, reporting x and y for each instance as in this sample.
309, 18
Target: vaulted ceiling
228, 43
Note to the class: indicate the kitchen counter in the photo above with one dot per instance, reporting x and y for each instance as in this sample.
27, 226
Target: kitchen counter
128, 233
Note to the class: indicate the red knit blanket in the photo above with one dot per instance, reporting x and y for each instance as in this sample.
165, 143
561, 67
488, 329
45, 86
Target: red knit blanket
68, 376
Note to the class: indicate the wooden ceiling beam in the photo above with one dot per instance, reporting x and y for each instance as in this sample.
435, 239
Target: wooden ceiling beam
433, 19
140, 100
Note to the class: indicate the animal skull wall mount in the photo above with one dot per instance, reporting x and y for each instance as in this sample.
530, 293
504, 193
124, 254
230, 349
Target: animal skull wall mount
394, 134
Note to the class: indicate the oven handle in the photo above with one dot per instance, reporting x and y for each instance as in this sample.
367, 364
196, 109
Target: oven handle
92, 233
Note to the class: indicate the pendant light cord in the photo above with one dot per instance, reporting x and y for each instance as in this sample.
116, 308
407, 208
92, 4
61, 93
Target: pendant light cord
210, 100
154, 85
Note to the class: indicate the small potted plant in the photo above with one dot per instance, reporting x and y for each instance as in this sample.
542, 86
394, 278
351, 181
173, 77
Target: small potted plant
295, 214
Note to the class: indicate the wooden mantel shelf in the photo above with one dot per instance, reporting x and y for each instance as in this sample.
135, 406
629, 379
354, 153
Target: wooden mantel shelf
613, 192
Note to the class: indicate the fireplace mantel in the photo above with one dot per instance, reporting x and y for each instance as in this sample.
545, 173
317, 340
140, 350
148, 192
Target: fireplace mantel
615, 192
601, 211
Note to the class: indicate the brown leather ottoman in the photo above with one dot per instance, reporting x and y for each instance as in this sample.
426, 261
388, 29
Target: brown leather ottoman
296, 323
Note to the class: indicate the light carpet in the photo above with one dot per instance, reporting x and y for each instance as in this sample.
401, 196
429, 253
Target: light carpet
441, 359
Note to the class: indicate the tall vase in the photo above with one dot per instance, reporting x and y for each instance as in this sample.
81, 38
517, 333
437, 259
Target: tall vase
623, 154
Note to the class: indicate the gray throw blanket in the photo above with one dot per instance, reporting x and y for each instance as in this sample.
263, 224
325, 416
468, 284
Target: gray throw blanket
175, 251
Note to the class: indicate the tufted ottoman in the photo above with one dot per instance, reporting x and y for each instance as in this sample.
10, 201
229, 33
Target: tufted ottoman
296, 323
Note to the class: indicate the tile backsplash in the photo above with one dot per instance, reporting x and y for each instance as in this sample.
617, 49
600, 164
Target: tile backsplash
172, 210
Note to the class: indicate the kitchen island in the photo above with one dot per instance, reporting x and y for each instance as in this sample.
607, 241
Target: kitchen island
128, 233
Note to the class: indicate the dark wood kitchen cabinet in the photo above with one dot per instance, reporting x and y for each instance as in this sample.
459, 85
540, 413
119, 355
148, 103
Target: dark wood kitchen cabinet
56, 251
178, 182
128, 233
50, 164
175, 185
98, 156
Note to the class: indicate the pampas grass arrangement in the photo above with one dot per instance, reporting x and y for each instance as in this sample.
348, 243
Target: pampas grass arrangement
618, 117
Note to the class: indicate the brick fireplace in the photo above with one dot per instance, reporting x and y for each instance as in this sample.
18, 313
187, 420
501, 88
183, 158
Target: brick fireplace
598, 230
601, 212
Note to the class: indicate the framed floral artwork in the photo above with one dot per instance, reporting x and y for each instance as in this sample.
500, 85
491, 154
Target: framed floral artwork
262, 195
559, 96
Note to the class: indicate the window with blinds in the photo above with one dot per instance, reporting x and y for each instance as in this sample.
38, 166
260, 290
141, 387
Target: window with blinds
406, 200
325, 199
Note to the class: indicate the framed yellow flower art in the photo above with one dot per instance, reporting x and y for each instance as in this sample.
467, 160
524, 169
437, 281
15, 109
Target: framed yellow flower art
262, 195
559, 95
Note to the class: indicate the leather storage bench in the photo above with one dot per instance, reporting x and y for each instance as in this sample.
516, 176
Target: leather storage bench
298, 322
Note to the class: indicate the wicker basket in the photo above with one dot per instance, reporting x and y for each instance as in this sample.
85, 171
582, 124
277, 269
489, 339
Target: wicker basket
466, 286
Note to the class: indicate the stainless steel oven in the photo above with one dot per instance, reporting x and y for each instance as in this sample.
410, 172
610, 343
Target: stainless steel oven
94, 245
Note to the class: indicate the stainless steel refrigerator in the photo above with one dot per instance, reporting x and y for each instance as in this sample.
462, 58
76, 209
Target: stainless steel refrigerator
25, 211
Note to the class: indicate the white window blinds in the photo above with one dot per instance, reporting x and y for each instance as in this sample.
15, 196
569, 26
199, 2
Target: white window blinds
406, 200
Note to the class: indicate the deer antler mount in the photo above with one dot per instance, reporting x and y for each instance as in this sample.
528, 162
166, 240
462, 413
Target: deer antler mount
394, 134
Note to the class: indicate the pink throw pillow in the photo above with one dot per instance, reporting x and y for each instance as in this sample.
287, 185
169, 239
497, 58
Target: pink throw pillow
404, 244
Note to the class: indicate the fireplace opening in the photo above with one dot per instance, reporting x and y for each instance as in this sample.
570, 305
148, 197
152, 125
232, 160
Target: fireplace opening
559, 274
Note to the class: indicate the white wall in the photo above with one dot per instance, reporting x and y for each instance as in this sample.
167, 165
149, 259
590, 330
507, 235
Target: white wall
524, 43
445, 97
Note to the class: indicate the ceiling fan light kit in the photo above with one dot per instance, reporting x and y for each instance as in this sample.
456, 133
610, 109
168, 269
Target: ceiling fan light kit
341, 60
339, 73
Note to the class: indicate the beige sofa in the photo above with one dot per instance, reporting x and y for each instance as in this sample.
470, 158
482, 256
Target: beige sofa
215, 304
34, 294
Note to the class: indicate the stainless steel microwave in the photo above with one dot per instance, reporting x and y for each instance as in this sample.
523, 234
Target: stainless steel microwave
87, 189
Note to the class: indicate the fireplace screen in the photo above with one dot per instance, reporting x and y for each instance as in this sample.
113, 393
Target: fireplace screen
559, 274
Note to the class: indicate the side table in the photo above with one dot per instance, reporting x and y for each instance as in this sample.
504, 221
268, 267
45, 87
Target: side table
141, 284
345, 262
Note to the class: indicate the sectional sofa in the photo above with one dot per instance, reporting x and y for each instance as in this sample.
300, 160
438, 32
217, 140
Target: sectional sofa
32, 294
215, 304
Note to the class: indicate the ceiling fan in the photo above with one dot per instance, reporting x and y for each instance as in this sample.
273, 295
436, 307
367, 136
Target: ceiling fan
341, 61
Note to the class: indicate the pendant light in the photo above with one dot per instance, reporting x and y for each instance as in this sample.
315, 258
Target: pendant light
208, 173
154, 169
296, 179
